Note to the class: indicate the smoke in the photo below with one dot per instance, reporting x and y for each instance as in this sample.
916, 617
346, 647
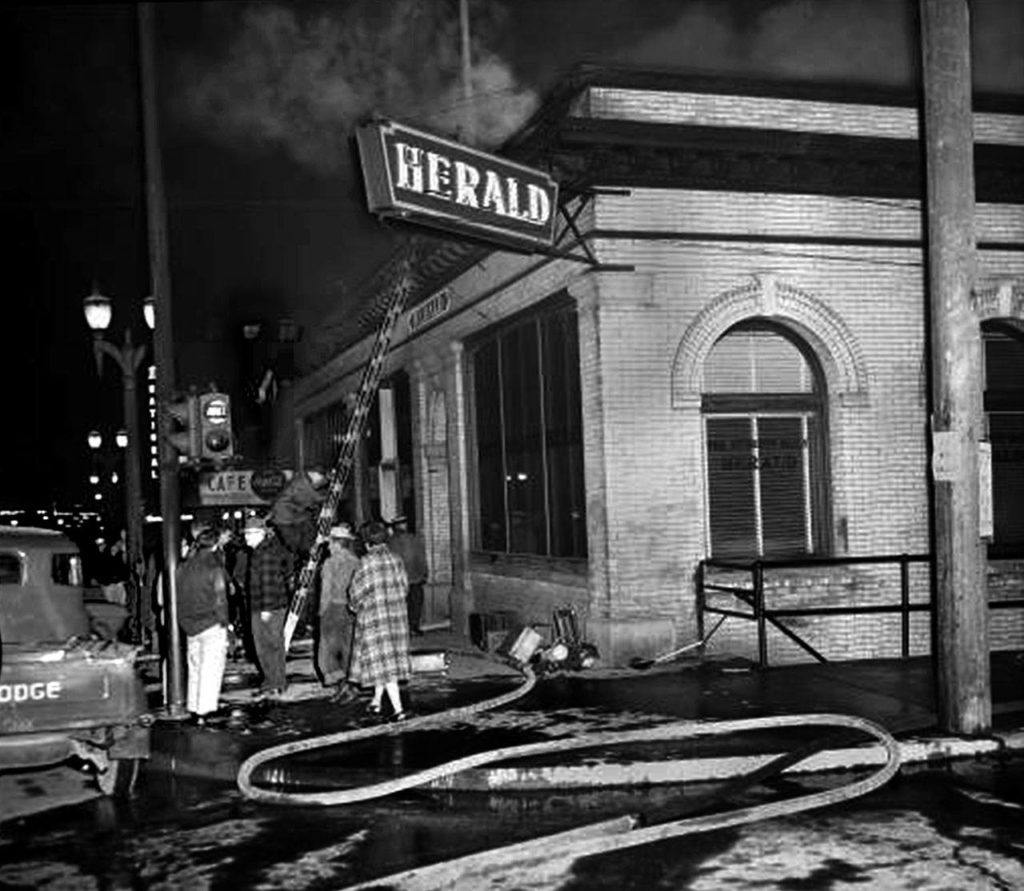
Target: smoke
867, 42
298, 78
870, 42
300, 82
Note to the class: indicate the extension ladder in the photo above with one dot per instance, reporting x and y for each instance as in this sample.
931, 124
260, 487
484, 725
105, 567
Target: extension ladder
400, 288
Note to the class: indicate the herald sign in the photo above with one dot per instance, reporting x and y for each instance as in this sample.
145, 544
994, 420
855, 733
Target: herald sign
425, 179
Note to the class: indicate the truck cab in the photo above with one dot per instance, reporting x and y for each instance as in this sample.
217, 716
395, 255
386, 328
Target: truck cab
66, 692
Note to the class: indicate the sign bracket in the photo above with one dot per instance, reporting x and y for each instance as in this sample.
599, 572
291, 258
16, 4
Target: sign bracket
569, 218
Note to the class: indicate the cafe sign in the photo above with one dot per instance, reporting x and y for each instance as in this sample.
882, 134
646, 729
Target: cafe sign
238, 488
422, 178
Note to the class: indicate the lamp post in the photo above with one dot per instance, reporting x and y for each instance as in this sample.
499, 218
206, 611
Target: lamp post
128, 357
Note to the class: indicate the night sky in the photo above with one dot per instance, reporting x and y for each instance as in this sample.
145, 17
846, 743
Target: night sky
266, 213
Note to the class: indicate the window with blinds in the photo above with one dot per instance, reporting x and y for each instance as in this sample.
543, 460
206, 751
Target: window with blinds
1004, 409
765, 446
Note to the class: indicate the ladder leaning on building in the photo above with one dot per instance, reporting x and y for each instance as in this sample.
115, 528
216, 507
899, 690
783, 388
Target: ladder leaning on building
398, 292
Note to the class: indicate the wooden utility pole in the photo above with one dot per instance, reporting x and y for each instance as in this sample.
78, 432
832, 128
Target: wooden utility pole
961, 598
163, 349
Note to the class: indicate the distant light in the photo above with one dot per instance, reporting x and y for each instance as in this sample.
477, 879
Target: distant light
521, 477
14, 522
98, 496
94, 479
121, 438
149, 311
114, 477
98, 311
94, 439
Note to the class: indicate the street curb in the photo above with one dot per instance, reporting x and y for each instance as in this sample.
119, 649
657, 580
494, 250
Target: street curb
698, 770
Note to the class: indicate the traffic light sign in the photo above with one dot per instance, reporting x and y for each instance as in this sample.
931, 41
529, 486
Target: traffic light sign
184, 432
216, 438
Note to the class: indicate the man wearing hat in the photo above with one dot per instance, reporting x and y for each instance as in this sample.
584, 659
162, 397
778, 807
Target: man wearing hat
334, 648
409, 547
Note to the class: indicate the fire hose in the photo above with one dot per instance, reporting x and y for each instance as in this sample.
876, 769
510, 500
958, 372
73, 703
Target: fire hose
604, 836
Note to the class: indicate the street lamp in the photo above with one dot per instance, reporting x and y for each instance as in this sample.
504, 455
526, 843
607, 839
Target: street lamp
128, 357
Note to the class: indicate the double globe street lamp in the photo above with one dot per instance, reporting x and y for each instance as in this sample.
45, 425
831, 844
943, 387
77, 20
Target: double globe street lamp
128, 357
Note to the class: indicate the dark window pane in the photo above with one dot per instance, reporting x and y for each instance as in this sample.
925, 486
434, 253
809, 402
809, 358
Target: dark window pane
521, 393
563, 418
780, 463
529, 436
731, 487
1007, 434
490, 454
10, 569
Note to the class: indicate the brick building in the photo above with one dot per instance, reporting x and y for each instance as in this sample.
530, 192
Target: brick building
726, 358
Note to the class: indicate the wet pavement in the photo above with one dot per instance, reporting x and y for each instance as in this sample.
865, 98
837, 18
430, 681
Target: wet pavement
941, 823
896, 694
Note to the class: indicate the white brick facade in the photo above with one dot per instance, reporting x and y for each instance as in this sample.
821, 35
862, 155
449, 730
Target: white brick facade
843, 273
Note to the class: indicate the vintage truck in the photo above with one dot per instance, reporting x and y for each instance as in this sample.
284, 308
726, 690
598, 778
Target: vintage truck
67, 693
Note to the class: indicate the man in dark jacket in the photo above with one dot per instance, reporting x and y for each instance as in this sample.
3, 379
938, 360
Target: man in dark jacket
270, 585
202, 589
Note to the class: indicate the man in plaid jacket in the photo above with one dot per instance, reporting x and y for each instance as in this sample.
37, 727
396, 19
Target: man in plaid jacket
270, 588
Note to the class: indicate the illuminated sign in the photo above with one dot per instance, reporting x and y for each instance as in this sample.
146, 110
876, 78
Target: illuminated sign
235, 488
425, 179
216, 410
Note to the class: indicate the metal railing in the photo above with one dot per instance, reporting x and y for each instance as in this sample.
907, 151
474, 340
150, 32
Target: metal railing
753, 596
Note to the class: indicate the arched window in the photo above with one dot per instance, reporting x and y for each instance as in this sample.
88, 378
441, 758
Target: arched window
764, 424
1004, 410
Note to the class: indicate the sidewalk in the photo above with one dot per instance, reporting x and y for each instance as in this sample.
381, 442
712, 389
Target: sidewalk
897, 694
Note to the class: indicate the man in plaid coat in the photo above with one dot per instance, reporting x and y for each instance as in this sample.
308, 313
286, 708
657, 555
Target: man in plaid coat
377, 597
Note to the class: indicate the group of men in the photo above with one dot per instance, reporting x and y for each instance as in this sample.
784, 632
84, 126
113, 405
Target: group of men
368, 606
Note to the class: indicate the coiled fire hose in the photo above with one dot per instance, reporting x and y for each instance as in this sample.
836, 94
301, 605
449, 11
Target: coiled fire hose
594, 838
349, 796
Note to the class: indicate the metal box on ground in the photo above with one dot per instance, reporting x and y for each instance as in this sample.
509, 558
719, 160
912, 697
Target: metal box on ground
429, 662
524, 645
488, 630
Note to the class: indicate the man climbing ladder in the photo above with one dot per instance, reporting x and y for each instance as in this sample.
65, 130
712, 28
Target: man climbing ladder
399, 289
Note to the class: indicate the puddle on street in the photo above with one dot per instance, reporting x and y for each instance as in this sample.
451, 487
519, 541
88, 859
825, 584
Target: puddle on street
180, 832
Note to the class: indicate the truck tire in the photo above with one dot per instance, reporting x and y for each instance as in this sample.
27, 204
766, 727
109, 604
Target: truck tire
118, 780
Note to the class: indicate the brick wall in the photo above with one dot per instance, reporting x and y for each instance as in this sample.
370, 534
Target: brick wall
702, 261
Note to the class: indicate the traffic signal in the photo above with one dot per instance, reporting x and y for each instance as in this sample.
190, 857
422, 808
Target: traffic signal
216, 438
184, 432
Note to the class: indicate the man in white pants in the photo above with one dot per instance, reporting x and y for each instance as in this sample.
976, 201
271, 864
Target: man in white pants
203, 617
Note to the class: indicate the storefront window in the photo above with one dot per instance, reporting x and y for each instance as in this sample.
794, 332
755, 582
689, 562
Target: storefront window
529, 441
323, 434
1004, 409
765, 446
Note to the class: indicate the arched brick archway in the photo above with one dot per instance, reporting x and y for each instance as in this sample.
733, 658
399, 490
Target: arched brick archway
767, 297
